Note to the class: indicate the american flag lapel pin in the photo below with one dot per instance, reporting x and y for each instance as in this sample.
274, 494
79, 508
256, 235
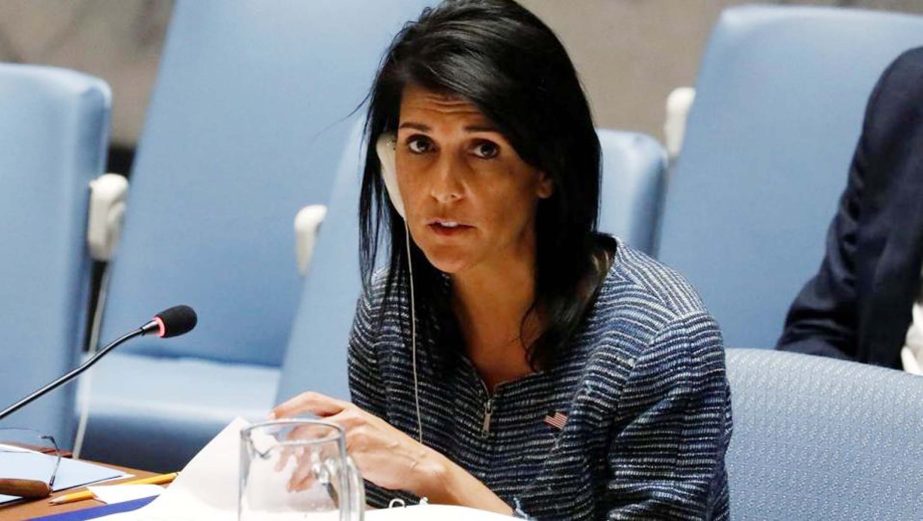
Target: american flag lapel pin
556, 419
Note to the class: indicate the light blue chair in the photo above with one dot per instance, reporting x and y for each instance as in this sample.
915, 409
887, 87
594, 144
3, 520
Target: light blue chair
54, 129
634, 177
633, 173
823, 439
778, 110
247, 122
316, 355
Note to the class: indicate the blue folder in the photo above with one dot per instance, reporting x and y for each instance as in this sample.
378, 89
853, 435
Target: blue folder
94, 512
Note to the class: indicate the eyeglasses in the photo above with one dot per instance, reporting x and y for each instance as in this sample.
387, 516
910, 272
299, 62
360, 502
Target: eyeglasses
29, 462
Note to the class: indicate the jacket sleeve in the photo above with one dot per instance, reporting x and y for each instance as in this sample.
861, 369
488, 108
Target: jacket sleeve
824, 318
366, 387
672, 428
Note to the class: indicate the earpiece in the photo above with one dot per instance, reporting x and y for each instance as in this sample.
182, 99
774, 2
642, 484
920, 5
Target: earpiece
385, 148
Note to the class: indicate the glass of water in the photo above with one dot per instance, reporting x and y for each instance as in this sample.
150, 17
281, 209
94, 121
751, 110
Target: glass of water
298, 469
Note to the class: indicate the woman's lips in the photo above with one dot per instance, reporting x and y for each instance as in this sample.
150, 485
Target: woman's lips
448, 228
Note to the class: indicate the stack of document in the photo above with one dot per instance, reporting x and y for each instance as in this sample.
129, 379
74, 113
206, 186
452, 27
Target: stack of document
206, 490
431, 512
19, 463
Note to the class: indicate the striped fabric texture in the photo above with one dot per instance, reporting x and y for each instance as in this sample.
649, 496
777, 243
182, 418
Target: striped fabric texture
632, 423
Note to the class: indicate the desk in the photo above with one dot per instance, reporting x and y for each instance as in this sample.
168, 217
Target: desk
40, 507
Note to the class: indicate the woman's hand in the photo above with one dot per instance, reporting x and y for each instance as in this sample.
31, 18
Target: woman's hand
393, 460
385, 456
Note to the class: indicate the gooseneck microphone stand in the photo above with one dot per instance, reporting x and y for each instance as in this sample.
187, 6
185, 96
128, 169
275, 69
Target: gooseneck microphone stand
150, 326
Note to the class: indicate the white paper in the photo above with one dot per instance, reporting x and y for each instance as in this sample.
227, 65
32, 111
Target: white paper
110, 494
14, 448
431, 512
206, 490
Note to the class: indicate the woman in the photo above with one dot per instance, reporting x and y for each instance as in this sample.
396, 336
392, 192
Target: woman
551, 371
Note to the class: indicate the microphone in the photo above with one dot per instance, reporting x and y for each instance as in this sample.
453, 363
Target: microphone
174, 321
171, 322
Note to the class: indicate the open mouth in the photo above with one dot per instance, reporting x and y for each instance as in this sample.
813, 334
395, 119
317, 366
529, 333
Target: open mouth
447, 228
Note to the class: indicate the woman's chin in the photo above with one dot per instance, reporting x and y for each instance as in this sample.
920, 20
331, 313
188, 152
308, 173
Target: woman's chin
450, 263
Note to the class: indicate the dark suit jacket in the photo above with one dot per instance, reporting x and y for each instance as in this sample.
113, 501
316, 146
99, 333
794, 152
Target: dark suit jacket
858, 306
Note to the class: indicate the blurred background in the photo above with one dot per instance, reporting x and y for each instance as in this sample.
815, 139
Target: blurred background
630, 53
242, 204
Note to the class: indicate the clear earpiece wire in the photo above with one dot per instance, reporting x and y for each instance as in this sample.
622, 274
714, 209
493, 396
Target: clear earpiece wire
413, 335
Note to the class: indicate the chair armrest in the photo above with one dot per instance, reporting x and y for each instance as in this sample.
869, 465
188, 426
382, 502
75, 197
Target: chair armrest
679, 103
307, 224
106, 210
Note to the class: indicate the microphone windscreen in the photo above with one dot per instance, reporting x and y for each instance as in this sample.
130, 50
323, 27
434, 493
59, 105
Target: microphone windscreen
176, 321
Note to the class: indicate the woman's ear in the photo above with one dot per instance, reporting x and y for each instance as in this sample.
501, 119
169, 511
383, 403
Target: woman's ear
545, 186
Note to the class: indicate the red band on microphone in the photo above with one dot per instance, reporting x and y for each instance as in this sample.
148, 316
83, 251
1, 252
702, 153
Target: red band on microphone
162, 328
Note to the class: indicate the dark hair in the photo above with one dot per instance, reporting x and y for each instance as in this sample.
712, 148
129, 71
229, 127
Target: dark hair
508, 63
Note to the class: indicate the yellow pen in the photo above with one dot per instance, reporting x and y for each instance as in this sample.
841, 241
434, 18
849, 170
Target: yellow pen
86, 494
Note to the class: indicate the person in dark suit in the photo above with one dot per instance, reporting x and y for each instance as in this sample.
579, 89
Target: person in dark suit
861, 304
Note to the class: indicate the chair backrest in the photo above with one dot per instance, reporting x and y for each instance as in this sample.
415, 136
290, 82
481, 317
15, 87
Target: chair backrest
633, 170
246, 125
316, 356
778, 110
54, 129
634, 175
823, 439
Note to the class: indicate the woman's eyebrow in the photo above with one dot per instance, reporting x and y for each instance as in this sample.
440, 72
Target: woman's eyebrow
481, 128
416, 126
468, 128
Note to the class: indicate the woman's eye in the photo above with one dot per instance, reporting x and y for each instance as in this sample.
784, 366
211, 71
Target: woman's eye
419, 145
486, 150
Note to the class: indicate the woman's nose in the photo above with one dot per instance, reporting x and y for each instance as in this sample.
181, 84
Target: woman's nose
446, 184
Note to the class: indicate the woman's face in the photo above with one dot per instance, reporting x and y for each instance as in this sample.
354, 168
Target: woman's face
470, 199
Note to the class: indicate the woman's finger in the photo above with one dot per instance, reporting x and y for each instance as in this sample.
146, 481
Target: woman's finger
350, 418
302, 477
283, 459
311, 432
310, 402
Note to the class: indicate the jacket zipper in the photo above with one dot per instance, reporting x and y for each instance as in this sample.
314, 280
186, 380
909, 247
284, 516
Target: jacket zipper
488, 405
488, 412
